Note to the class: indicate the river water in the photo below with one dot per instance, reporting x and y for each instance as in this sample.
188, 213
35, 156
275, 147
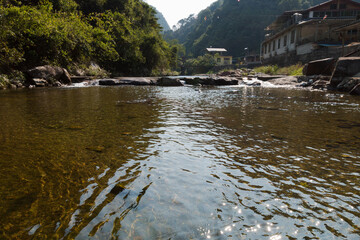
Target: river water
179, 163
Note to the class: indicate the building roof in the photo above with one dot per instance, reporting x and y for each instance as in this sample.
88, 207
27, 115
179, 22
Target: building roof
348, 26
280, 20
216, 50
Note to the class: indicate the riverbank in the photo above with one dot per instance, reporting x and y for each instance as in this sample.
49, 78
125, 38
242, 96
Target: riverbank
327, 74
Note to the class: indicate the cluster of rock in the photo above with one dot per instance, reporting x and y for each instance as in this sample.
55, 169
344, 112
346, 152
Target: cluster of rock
341, 74
169, 81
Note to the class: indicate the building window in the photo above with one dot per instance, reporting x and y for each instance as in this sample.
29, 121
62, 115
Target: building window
266, 48
352, 32
279, 43
274, 45
342, 6
218, 60
285, 40
292, 39
333, 6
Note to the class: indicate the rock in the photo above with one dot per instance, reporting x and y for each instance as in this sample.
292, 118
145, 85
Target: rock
38, 82
169, 82
356, 90
57, 84
348, 83
49, 73
109, 82
265, 77
288, 80
320, 84
320, 67
126, 81
137, 81
226, 81
80, 79
345, 67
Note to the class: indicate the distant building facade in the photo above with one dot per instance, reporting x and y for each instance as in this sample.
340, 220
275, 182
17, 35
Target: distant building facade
219, 56
305, 35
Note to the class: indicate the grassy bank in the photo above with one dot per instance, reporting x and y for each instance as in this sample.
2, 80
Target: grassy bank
293, 70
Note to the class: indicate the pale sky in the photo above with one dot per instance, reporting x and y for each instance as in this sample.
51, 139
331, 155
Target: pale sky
175, 10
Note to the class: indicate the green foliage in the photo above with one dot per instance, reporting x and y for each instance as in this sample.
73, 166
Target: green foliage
122, 36
270, 69
293, 70
201, 64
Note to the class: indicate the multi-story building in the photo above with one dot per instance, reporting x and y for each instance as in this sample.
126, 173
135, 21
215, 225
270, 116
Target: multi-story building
305, 35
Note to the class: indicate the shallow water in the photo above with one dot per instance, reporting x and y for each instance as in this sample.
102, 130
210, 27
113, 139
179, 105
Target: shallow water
179, 163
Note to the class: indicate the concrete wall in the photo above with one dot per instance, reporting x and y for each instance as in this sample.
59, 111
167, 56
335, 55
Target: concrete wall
275, 48
317, 53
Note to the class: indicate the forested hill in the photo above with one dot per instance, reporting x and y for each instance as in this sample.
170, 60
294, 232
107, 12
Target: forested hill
122, 36
232, 24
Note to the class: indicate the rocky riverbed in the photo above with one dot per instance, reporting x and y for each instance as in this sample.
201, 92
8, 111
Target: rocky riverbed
341, 74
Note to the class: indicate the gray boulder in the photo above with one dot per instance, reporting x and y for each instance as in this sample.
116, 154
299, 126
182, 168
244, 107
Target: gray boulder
169, 82
49, 73
348, 83
320, 67
345, 67
225, 81
356, 90
109, 82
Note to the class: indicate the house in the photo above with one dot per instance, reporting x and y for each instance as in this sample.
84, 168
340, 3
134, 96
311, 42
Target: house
219, 56
305, 35
252, 60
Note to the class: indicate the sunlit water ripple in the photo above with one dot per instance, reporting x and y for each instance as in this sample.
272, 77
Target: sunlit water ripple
179, 163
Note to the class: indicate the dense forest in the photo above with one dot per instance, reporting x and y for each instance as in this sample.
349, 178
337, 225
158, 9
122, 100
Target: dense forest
122, 36
232, 24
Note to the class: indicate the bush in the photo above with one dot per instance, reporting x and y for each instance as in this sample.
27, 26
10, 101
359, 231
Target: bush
293, 70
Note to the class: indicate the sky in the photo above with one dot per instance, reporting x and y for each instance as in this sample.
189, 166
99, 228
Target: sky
175, 10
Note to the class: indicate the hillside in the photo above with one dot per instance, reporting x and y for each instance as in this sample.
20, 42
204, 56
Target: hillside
122, 36
232, 24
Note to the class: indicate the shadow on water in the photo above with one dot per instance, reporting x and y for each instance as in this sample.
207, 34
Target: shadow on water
179, 163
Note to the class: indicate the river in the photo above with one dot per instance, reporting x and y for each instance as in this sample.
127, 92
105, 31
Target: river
135, 162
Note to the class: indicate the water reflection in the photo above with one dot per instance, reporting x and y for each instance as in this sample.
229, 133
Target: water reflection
177, 163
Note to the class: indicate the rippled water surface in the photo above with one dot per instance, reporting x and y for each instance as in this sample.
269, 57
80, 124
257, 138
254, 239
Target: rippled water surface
179, 163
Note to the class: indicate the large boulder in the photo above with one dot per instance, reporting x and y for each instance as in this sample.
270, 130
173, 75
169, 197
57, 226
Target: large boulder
137, 81
356, 90
169, 82
345, 67
109, 82
348, 83
49, 73
320, 67
224, 81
